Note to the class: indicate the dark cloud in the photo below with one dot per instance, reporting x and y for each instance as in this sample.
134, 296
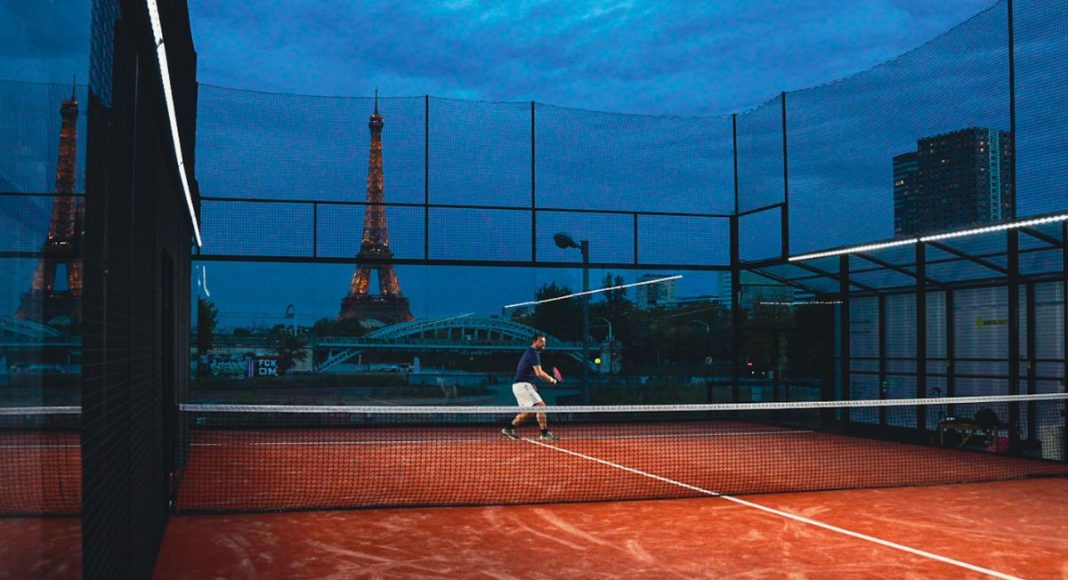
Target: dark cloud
44, 41
636, 56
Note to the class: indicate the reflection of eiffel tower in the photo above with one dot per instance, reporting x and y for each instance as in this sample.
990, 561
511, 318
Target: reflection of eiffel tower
45, 302
389, 305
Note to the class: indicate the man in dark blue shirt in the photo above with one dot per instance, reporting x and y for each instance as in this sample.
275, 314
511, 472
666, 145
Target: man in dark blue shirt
526, 394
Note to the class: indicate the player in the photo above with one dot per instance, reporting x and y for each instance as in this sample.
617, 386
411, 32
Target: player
526, 394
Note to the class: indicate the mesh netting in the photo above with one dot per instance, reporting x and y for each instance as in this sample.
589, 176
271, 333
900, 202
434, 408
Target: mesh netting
267, 458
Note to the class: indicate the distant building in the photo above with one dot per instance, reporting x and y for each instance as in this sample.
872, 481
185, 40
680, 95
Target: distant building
653, 295
956, 179
755, 289
691, 300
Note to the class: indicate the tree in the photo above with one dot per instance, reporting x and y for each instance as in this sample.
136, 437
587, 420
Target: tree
560, 318
324, 327
289, 347
615, 301
207, 320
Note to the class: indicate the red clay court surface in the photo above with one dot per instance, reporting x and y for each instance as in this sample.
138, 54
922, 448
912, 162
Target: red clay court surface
1017, 528
1008, 528
1014, 528
286, 469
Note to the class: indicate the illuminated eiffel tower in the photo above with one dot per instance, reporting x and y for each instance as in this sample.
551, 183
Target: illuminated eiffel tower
389, 306
45, 302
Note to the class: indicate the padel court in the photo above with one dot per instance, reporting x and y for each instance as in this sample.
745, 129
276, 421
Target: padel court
715, 492
609, 500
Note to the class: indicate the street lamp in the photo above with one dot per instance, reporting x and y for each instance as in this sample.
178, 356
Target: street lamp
609, 323
564, 241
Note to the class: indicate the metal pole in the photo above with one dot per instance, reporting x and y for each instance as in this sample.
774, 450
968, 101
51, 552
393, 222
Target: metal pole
884, 385
951, 349
533, 187
1032, 365
736, 272
1013, 264
585, 322
426, 177
845, 391
785, 213
921, 339
1064, 339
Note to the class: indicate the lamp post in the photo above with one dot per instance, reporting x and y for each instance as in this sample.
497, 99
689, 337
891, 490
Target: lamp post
609, 323
564, 241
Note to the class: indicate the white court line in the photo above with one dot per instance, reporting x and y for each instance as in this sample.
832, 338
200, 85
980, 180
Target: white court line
495, 438
788, 515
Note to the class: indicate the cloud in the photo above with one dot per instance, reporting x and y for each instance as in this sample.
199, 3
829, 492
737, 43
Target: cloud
633, 56
44, 41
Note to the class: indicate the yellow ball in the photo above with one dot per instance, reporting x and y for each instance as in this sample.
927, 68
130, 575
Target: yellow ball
597, 361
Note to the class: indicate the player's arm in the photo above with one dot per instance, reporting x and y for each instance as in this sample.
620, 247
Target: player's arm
543, 375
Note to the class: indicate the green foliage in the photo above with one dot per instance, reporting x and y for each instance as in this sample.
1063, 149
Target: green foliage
207, 320
290, 348
561, 318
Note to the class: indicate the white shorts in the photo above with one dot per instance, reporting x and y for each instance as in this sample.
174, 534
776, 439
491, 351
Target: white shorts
526, 394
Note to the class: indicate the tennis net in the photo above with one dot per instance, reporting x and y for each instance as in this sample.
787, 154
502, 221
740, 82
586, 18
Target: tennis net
40, 461
269, 458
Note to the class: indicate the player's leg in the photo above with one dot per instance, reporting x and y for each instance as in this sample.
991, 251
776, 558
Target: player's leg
522, 392
543, 422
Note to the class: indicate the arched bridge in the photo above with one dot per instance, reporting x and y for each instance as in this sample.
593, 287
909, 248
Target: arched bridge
457, 334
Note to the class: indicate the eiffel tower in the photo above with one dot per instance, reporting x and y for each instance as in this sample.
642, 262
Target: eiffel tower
389, 306
44, 302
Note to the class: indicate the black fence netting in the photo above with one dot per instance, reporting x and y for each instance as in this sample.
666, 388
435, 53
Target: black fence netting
866, 151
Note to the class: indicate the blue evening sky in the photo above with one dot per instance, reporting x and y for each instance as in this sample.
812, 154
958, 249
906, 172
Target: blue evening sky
636, 56
674, 70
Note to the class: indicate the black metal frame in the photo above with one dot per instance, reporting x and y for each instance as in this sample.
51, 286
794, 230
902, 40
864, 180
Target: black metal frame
849, 278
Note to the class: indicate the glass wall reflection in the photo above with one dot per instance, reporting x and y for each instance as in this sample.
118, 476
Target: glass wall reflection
43, 135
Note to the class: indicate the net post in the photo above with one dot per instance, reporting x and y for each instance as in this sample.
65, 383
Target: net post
883, 386
1032, 377
1013, 266
1064, 337
921, 339
951, 348
844, 363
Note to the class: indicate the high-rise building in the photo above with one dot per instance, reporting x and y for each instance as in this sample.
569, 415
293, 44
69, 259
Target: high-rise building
656, 294
755, 289
956, 179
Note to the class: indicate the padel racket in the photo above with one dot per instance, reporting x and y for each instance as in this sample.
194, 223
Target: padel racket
558, 375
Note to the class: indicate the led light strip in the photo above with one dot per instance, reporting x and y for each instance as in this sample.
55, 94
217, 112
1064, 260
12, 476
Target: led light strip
997, 228
566, 296
803, 303
165, 75
866, 248
933, 238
